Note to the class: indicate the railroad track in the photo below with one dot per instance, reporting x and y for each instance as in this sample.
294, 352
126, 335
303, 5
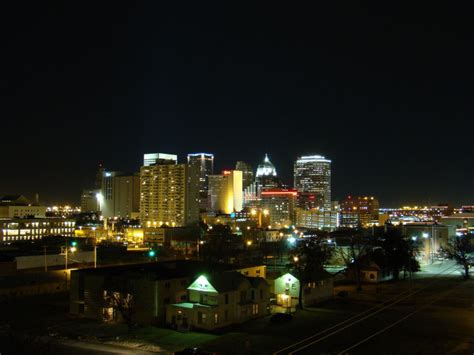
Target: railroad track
336, 329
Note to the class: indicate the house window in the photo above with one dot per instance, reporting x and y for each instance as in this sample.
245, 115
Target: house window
258, 272
167, 285
184, 297
255, 309
201, 318
226, 298
253, 295
216, 318
243, 296
166, 300
226, 315
261, 294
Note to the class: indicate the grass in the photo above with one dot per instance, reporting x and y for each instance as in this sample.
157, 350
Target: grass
172, 339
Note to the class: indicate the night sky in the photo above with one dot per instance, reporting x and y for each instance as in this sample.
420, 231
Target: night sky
385, 92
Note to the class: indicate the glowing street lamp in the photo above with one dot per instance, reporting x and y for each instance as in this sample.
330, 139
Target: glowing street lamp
296, 259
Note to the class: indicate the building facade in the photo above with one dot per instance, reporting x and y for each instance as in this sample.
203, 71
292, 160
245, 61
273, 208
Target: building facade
169, 195
359, 211
120, 195
220, 300
316, 218
18, 206
154, 158
30, 229
280, 204
247, 173
312, 177
204, 163
225, 192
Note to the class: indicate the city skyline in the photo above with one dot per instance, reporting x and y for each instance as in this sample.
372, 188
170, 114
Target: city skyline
385, 97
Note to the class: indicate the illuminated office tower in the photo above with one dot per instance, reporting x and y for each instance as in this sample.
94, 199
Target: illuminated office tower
225, 192
312, 180
120, 195
280, 204
169, 195
204, 163
247, 173
155, 158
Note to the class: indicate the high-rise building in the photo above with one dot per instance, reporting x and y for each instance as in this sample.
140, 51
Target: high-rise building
90, 200
225, 192
247, 173
169, 195
204, 163
120, 195
280, 204
154, 158
265, 178
312, 179
358, 211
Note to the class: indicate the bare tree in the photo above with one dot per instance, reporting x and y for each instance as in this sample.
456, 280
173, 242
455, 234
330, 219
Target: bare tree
119, 296
459, 249
352, 255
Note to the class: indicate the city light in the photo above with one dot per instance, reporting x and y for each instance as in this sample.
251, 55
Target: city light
292, 240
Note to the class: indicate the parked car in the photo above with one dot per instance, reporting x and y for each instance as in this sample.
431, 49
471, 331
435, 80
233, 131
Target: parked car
281, 317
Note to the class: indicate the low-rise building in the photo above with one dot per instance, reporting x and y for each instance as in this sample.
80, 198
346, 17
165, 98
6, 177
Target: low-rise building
107, 294
24, 229
319, 288
18, 206
219, 300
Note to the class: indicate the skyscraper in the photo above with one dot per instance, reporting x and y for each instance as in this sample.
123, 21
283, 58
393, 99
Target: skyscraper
225, 192
265, 178
169, 194
120, 195
204, 163
312, 180
247, 173
154, 158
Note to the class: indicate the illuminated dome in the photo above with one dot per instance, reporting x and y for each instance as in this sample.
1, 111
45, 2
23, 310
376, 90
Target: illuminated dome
266, 169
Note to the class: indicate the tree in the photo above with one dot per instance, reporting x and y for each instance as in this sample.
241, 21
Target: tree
398, 254
353, 255
308, 257
120, 296
459, 249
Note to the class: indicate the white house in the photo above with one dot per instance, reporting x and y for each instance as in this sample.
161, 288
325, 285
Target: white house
219, 300
287, 287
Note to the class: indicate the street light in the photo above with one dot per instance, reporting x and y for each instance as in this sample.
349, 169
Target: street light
296, 259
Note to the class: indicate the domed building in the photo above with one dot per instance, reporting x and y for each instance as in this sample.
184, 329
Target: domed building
267, 169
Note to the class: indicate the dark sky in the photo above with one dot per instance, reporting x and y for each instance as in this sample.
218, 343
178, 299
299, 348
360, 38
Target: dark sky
385, 91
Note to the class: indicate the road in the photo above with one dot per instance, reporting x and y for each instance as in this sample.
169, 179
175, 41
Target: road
431, 316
